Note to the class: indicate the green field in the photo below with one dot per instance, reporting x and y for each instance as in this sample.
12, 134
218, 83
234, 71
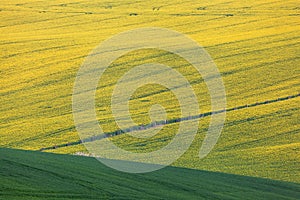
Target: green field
34, 175
254, 44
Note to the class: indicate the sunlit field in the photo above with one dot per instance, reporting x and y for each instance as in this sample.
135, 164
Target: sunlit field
254, 44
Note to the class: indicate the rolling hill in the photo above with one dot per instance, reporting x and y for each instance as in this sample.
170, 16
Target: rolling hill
254, 44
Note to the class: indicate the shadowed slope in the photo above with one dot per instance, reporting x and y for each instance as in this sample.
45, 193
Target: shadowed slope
36, 175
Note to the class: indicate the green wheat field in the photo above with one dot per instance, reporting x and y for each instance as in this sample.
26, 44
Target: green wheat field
256, 47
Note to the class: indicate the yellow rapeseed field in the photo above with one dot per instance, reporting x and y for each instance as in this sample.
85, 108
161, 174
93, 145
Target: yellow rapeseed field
255, 45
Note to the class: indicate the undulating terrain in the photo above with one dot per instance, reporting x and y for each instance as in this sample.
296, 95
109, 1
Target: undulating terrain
255, 46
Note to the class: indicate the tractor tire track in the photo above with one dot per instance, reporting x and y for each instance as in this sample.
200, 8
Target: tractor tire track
170, 121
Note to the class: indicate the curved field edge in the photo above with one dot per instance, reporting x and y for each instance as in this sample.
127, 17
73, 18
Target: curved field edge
37, 175
265, 149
